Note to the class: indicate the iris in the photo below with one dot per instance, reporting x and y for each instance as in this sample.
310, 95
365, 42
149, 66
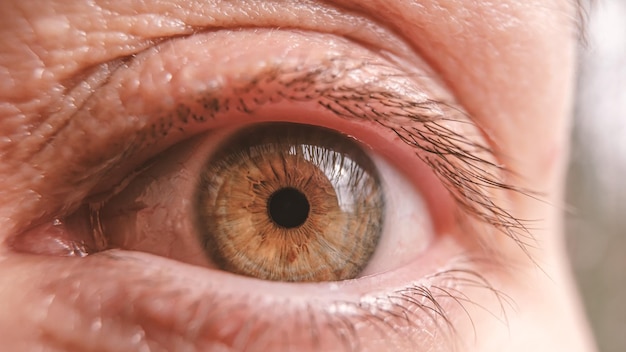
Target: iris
290, 202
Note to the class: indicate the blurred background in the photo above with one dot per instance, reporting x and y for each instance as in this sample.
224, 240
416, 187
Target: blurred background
596, 220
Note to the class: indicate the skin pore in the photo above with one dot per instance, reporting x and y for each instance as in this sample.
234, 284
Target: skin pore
91, 91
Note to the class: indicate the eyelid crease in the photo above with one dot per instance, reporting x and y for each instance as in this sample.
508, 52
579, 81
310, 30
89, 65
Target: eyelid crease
178, 21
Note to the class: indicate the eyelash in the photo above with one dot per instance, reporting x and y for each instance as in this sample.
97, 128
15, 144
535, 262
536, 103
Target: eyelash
450, 155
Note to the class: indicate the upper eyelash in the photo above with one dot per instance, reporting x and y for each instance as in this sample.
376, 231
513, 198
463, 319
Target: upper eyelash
451, 155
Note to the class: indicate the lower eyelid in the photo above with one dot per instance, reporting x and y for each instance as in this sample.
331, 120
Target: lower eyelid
164, 304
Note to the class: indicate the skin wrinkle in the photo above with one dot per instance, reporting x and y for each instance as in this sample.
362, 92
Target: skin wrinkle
369, 33
446, 53
218, 16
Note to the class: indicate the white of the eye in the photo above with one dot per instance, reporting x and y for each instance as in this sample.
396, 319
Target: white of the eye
408, 227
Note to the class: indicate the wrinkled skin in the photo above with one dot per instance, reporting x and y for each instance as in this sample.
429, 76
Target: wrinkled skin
509, 64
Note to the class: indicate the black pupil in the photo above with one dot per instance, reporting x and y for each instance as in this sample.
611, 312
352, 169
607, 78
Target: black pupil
288, 207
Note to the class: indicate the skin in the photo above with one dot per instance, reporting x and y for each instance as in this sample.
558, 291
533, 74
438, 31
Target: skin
508, 64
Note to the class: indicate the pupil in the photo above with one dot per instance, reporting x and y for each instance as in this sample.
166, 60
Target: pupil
288, 208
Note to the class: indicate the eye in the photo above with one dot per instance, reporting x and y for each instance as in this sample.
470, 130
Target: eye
278, 201
332, 183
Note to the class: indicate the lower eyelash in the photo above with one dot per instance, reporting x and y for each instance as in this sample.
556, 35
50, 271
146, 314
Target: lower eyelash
155, 311
425, 307
399, 314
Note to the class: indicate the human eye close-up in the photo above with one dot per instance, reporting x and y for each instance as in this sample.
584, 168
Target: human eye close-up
286, 176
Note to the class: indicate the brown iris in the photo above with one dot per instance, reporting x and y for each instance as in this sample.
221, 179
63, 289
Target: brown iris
290, 202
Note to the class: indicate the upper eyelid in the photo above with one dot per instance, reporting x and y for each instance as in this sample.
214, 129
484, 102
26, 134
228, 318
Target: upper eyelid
417, 119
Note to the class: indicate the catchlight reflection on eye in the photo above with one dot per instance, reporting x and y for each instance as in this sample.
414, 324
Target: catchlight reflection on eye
290, 202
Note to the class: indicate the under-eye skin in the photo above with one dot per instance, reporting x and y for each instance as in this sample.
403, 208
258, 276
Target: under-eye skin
291, 203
